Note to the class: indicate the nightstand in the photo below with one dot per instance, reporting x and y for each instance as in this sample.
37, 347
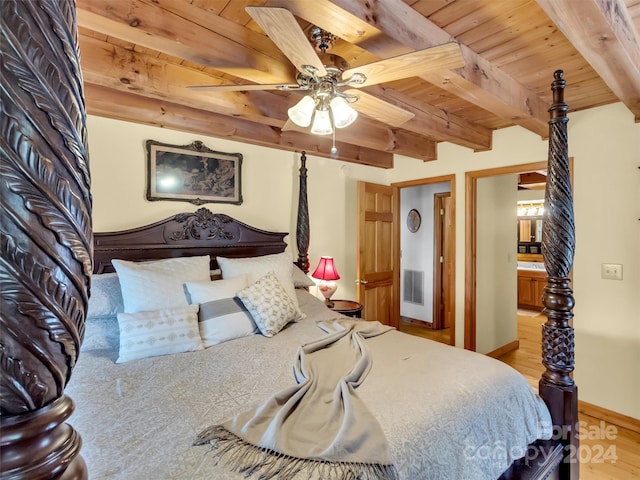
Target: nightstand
348, 308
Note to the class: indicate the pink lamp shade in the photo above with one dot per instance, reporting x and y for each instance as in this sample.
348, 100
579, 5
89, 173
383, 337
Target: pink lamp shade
326, 270
327, 273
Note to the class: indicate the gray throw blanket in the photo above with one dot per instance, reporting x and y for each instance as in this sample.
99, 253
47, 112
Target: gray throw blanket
319, 427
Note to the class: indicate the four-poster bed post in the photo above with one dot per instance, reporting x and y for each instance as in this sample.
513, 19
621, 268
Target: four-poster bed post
46, 237
556, 386
302, 228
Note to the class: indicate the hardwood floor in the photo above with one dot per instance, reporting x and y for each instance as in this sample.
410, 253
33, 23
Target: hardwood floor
418, 328
607, 451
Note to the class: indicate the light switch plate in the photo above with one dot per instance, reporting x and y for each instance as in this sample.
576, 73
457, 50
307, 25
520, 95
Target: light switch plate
611, 271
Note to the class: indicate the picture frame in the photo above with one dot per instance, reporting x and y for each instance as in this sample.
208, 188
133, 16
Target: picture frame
193, 173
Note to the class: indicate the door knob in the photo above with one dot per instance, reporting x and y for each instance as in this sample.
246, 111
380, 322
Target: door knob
361, 282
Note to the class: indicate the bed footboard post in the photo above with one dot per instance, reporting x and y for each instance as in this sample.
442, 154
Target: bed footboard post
556, 386
46, 239
302, 228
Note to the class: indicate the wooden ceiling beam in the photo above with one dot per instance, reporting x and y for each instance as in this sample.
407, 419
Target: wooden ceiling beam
435, 122
478, 82
605, 35
131, 107
362, 132
153, 27
115, 67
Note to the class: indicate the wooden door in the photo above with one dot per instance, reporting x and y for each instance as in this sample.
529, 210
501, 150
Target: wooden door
442, 262
378, 280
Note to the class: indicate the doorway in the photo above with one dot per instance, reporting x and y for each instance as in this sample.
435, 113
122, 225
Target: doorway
471, 215
433, 315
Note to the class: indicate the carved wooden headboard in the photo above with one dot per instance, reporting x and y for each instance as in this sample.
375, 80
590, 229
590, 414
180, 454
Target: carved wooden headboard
183, 235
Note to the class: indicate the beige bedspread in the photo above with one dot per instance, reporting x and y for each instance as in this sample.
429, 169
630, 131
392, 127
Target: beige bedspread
466, 419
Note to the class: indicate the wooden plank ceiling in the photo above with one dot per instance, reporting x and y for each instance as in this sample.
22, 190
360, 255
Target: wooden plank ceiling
139, 56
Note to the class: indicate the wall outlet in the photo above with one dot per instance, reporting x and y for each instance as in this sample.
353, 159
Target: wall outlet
611, 271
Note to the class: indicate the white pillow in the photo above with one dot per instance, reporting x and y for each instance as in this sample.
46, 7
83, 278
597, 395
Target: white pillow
158, 332
159, 284
269, 304
201, 292
222, 316
280, 264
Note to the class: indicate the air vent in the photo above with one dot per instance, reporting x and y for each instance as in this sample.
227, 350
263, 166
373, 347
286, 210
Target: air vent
414, 286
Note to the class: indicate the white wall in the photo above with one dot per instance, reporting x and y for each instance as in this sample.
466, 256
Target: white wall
496, 274
605, 144
269, 187
417, 248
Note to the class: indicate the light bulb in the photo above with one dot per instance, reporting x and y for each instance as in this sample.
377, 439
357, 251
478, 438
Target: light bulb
343, 114
322, 123
301, 112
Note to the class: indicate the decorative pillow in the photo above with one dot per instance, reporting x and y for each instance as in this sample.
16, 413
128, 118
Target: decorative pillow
158, 332
300, 279
105, 300
280, 264
158, 284
222, 317
269, 304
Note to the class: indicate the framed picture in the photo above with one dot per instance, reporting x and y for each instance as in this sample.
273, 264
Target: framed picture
193, 173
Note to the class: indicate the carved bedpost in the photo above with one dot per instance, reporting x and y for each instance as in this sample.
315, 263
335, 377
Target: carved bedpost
46, 237
556, 386
302, 228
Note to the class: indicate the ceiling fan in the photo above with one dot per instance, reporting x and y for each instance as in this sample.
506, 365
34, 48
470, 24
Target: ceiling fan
329, 81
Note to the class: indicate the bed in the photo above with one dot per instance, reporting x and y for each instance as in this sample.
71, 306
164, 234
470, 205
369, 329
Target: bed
139, 418
473, 427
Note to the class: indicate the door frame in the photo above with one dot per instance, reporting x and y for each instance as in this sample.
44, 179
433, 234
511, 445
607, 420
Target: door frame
471, 232
451, 178
441, 255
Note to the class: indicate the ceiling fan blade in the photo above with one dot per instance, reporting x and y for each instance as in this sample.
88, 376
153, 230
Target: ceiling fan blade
379, 109
244, 88
414, 64
284, 31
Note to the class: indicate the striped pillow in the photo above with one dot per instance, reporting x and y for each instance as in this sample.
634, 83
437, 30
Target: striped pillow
222, 317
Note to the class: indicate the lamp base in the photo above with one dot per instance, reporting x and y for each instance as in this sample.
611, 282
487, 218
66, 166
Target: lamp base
328, 288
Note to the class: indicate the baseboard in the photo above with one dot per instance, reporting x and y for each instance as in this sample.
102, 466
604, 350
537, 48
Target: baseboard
498, 352
610, 416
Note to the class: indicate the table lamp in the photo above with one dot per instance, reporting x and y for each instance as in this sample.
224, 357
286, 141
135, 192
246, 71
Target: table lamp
327, 273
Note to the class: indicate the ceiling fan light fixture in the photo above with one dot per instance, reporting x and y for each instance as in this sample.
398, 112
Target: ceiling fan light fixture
322, 122
302, 112
343, 113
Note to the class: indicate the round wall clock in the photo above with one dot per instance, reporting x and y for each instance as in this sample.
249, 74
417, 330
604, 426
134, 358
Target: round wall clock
413, 220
